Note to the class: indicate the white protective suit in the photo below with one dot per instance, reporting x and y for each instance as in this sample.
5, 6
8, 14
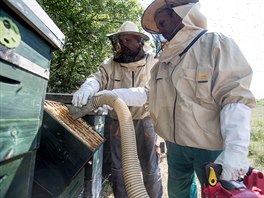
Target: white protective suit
192, 96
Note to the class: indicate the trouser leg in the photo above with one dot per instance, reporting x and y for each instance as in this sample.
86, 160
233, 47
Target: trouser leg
119, 189
182, 162
118, 183
149, 159
202, 157
181, 177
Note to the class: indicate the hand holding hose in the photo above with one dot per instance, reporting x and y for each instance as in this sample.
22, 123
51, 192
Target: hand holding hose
235, 130
86, 91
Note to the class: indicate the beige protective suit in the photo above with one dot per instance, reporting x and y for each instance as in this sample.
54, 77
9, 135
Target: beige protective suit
188, 92
114, 75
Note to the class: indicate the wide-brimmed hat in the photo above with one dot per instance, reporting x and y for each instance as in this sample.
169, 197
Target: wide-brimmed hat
129, 27
147, 19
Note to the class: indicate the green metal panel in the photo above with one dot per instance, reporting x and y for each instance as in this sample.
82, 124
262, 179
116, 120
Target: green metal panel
97, 121
16, 176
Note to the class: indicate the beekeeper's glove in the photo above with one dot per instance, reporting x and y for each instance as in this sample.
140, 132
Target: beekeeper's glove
86, 91
136, 97
103, 110
235, 129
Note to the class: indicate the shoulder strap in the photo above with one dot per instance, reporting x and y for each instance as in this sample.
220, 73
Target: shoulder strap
193, 41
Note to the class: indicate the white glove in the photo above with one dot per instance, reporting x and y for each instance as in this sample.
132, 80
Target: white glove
135, 97
103, 110
235, 129
86, 91
234, 164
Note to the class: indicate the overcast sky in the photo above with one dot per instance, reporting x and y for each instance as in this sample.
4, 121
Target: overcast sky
243, 20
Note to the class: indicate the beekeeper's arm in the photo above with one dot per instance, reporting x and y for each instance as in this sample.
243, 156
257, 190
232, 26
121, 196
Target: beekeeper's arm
235, 129
135, 96
231, 92
86, 91
94, 83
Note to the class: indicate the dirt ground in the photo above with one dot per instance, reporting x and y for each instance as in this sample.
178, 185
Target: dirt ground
164, 173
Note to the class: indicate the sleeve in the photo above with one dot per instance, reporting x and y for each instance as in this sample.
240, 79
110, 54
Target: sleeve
103, 73
232, 75
231, 91
151, 65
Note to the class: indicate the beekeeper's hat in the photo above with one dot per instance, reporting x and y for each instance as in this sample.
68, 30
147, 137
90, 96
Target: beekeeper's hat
129, 27
147, 19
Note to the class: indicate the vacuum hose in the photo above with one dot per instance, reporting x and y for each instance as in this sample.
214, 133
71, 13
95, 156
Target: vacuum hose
131, 168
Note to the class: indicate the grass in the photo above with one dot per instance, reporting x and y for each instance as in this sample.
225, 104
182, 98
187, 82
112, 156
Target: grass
256, 148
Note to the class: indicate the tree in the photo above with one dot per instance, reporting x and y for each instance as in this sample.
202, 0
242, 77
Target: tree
85, 24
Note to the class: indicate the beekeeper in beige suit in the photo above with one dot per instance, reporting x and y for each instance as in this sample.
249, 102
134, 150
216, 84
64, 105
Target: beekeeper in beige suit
129, 69
200, 98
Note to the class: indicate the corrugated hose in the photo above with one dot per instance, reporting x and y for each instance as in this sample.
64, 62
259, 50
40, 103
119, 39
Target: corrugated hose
132, 172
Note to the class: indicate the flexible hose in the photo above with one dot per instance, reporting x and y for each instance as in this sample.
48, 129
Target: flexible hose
132, 172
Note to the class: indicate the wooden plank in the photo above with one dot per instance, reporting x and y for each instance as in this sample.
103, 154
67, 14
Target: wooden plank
33, 14
60, 155
59, 97
18, 137
93, 169
22, 94
75, 189
16, 176
21, 62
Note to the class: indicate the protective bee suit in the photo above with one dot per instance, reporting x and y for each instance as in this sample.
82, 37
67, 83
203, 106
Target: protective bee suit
203, 81
130, 77
199, 98
114, 75
125, 75
200, 101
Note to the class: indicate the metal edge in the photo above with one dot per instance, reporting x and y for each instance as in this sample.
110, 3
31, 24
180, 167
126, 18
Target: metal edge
56, 39
21, 62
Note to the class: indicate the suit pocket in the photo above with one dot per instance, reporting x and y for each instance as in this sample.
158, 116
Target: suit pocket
204, 82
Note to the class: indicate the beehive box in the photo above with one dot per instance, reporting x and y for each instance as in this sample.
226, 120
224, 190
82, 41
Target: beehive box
24, 75
27, 38
66, 145
16, 175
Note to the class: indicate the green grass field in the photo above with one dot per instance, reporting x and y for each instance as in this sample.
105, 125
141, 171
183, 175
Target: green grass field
256, 149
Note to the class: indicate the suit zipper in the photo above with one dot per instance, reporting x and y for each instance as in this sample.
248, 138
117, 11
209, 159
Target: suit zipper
133, 77
174, 116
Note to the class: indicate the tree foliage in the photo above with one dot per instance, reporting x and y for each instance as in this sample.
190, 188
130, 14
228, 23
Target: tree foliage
85, 24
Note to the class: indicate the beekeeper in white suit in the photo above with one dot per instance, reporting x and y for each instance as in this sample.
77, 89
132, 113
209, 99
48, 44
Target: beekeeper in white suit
129, 69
